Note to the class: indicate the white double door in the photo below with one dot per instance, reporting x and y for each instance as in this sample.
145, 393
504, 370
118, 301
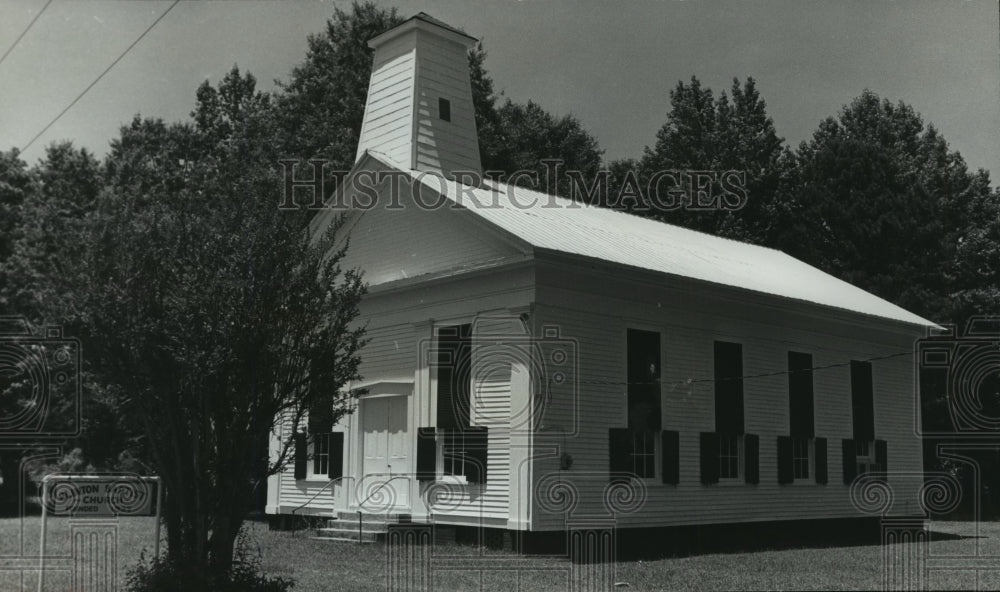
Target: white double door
386, 466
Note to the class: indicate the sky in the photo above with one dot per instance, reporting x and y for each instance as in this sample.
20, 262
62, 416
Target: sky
610, 64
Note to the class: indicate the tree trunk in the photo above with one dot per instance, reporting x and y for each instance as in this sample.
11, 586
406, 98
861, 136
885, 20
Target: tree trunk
222, 545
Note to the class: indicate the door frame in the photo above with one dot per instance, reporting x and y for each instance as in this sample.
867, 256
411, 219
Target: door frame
380, 390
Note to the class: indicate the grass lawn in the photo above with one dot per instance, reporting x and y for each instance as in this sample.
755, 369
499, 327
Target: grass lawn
322, 565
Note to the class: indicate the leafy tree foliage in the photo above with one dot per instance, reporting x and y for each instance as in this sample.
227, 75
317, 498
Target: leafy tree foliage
883, 203
529, 135
517, 137
211, 311
976, 273
708, 133
321, 108
40, 270
16, 182
875, 197
43, 254
489, 127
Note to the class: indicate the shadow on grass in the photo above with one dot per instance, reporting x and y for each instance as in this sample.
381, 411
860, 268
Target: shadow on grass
685, 541
936, 535
646, 544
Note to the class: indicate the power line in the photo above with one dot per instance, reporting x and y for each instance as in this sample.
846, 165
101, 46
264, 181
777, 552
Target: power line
26, 29
688, 381
98, 79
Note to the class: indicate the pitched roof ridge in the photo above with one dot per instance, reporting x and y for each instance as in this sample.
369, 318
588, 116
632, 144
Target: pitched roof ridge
661, 246
646, 220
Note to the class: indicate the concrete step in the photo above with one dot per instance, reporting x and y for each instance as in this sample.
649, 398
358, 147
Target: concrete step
386, 517
367, 524
343, 540
349, 530
350, 534
345, 531
374, 527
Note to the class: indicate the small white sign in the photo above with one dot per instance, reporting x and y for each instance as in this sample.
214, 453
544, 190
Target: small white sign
100, 497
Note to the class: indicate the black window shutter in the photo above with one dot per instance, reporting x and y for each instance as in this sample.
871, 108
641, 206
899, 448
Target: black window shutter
709, 458
454, 381
728, 388
751, 456
862, 400
336, 463
426, 454
445, 388
619, 452
301, 455
671, 457
476, 448
643, 373
785, 474
800, 395
850, 461
881, 455
819, 448
320, 417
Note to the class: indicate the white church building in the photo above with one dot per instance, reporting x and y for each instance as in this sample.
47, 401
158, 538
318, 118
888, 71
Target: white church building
534, 361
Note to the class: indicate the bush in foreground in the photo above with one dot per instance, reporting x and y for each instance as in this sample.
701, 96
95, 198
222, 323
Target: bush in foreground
162, 575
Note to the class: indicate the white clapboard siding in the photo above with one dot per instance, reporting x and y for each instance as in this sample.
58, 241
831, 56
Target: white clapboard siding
411, 241
390, 352
306, 497
388, 120
397, 324
496, 341
598, 325
410, 73
443, 72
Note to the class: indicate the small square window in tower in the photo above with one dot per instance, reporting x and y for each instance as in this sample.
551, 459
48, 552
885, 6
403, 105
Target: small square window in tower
444, 109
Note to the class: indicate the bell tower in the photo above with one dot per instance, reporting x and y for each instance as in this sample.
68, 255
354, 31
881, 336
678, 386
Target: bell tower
419, 110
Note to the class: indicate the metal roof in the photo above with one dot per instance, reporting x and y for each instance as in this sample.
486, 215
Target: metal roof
548, 222
428, 18
453, 33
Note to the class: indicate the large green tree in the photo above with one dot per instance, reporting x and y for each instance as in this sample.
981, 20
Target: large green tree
731, 132
44, 255
41, 263
885, 204
211, 312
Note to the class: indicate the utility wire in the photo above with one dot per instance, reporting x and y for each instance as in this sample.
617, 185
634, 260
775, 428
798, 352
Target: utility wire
98, 79
744, 377
692, 380
26, 29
